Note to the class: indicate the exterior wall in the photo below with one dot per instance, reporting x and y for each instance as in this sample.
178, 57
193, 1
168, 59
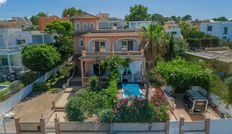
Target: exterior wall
218, 29
111, 24
9, 37
43, 21
113, 41
138, 24
175, 31
170, 25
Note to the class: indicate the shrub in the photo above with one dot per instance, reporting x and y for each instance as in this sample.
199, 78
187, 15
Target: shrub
136, 110
106, 116
40, 87
4, 94
16, 86
228, 81
183, 74
94, 84
29, 77
74, 110
219, 88
40, 57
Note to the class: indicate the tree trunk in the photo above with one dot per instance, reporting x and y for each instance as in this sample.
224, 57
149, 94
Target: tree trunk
147, 82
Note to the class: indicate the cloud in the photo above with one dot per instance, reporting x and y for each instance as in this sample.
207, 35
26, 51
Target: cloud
2, 2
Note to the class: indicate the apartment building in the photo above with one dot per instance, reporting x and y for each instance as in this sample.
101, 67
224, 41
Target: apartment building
220, 29
94, 44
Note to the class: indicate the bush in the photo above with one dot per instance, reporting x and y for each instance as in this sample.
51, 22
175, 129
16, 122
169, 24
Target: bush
222, 90
16, 87
183, 74
94, 84
40, 57
228, 82
136, 110
40, 87
74, 110
106, 116
29, 77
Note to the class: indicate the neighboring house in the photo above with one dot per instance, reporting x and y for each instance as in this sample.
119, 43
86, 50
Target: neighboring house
138, 24
93, 45
12, 41
170, 25
175, 31
220, 29
16, 22
106, 22
44, 21
219, 59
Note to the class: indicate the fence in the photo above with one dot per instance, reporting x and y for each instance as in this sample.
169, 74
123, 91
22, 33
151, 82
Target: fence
8, 104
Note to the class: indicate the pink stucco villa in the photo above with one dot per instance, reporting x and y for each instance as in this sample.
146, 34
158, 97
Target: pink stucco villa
92, 43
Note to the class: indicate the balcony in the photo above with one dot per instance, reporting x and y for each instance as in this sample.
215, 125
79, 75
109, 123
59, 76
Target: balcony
119, 53
15, 69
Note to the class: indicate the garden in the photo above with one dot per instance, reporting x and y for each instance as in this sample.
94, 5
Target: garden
99, 103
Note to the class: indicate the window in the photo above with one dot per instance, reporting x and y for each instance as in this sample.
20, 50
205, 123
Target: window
124, 45
127, 45
78, 26
225, 30
210, 28
173, 33
92, 26
81, 43
100, 46
19, 42
4, 62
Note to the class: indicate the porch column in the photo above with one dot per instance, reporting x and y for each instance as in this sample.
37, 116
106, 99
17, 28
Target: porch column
82, 74
9, 64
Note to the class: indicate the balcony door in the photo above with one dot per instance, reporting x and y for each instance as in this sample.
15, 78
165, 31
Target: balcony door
100, 46
127, 45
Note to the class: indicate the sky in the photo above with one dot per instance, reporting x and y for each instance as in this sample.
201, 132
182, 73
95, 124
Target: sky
201, 9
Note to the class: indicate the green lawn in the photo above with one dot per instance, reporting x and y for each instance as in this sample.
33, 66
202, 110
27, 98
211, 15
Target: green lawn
6, 82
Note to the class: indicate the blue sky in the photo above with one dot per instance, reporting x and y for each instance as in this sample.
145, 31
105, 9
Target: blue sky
118, 8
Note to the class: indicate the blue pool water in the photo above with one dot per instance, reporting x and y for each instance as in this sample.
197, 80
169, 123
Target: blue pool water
2, 87
131, 90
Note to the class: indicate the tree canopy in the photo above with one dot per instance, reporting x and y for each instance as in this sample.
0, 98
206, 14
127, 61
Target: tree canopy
34, 18
72, 12
183, 74
62, 31
222, 18
40, 57
138, 13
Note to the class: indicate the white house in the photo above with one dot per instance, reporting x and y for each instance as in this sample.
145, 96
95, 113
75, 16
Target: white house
175, 31
12, 40
219, 29
138, 24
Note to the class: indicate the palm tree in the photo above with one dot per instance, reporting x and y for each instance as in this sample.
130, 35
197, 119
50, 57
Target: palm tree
154, 44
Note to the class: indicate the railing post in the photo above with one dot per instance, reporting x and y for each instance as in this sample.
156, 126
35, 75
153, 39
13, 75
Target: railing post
181, 128
53, 104
207, 126
17, 126
167, 127
57, 126
42, 125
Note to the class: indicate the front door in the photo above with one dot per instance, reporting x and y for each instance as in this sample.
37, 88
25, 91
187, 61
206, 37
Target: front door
97, 46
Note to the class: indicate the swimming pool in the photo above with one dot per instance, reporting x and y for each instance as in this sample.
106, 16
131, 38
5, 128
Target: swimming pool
131, 90
2, 87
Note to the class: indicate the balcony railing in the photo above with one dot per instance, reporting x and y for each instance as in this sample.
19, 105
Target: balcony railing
16, 69
121, 53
